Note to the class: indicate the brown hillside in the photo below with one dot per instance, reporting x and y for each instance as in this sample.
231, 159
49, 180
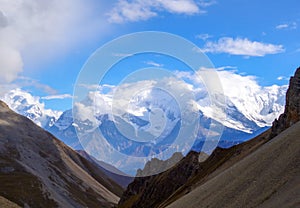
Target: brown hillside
38, 170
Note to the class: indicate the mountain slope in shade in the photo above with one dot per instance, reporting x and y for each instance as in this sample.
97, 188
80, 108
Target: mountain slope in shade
269, 177
38, 170
115, 174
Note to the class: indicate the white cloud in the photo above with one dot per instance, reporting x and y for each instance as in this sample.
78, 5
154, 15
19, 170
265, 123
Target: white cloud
282, 78
34, 31
137, 10
23, 82
206, 3
152, 63
204, 36
282, 26
11, 63
125, 11
220, 68
292, 26
52, 97
90, 87
180, 6
122, 54
84, 112
242, 46
128, 96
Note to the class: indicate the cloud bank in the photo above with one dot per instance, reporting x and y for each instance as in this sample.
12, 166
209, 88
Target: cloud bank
51, 97
40, 30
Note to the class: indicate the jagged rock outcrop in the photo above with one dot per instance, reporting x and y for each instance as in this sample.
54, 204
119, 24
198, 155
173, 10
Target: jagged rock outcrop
291, 113
155, 166
149, 191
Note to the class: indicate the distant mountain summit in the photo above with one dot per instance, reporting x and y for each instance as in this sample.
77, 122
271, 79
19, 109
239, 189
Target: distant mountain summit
30, 106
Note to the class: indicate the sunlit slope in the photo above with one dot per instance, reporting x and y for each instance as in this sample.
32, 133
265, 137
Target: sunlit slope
268, 177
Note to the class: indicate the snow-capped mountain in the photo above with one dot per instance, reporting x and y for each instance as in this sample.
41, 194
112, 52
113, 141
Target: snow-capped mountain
153, 113
30, 106
155, 118
142, 120
248, 105
64, 129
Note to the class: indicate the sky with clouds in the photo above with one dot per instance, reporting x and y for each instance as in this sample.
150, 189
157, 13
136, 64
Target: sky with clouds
44, 44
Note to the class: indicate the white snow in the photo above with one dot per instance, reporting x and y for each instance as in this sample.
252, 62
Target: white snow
244, 98
30, 106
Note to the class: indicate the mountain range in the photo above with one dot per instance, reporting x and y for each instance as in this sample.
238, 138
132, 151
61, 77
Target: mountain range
256, 107
262, 172
247, 115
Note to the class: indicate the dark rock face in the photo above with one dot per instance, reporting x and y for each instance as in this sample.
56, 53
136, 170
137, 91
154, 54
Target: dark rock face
156, 166
291, 114
150, 191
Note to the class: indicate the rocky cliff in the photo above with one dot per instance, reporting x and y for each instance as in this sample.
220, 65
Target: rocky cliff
291, 113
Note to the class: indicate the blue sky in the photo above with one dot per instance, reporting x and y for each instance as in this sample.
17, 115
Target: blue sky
43, 45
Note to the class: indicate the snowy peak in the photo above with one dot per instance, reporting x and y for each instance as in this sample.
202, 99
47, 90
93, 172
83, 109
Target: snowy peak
260, 107
30, 106
247, 102
249, 106
65, 120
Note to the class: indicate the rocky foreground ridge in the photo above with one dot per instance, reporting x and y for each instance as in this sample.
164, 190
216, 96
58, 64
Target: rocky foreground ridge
38, 170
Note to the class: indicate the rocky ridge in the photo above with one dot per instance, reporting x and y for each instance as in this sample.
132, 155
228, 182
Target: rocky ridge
291, 113
38, 170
